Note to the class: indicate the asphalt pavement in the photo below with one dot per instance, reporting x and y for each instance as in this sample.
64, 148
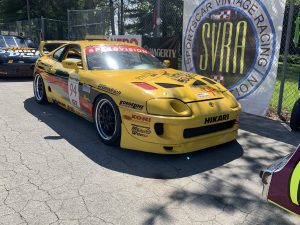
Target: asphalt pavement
55, 170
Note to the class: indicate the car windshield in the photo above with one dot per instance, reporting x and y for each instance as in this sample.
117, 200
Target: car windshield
10, 41
117, 57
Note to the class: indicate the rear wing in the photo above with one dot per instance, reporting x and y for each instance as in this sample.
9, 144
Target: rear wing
48, 46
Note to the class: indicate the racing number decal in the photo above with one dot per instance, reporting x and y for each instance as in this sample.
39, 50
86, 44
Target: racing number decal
73, 88
295, 185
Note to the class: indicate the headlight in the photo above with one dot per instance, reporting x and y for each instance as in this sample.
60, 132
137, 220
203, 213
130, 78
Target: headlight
168, 107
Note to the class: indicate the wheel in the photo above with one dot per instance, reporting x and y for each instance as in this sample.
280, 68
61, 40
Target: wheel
107, 120
39, 90
295, 118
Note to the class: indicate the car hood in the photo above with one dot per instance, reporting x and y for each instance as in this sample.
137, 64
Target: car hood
163, 83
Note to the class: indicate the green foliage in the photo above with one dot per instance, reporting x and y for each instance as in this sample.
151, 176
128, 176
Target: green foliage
54, 9
297, 2
141, 12
292, 59
291, 93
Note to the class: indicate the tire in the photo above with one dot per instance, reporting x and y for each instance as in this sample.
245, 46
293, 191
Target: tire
39, 90
107, 120
295, 117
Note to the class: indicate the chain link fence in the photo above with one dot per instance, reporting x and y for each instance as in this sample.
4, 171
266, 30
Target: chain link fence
286, 88
30, 29
54, 29
88, 22
38, 29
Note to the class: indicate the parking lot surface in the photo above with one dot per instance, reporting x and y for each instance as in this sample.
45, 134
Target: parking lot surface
55, 170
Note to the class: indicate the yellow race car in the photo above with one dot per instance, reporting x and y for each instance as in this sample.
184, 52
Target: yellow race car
134, 100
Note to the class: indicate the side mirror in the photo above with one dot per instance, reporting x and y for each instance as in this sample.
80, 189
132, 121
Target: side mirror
70, 64
167, 63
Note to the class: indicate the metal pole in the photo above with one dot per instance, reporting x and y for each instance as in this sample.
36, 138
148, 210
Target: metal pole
286, 52
122, 17
42, 29
28, 11
28, 17
158, 19
69, 27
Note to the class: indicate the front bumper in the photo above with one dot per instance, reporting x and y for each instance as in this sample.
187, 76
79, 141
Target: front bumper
178, 135
206, 141
16, 69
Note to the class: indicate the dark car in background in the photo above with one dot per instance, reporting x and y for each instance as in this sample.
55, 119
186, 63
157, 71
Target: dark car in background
295, 117
17, 56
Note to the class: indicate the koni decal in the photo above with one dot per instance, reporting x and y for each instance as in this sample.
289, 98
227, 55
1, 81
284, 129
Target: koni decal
138, 118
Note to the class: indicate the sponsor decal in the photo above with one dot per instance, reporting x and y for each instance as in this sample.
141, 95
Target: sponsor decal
182, 77
73, 90
209, 90
295, 185
232, 42
132, 39
164, 48
109, 90
115, 48
131, 105
140, 131
20, 52
138, 118
146, 75
203, 95
86, 88
216, 119
164, 53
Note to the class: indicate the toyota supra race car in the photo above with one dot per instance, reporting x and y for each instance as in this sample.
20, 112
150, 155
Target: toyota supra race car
134, 100
17, 56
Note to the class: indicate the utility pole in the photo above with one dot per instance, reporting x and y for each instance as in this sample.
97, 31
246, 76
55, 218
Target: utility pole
157, 21
28, 11
122, 18
286, 52
28, 16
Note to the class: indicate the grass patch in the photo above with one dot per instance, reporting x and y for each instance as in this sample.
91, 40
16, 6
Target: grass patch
291, 92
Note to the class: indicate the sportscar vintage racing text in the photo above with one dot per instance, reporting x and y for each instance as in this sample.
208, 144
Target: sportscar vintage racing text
134, 100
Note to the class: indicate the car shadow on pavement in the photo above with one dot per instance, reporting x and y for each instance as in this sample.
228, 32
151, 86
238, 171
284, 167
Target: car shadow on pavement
269, 128
16, 79
82, 135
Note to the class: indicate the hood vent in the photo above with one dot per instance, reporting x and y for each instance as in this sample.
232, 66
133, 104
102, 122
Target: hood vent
198, 83
167, 85
209, 80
